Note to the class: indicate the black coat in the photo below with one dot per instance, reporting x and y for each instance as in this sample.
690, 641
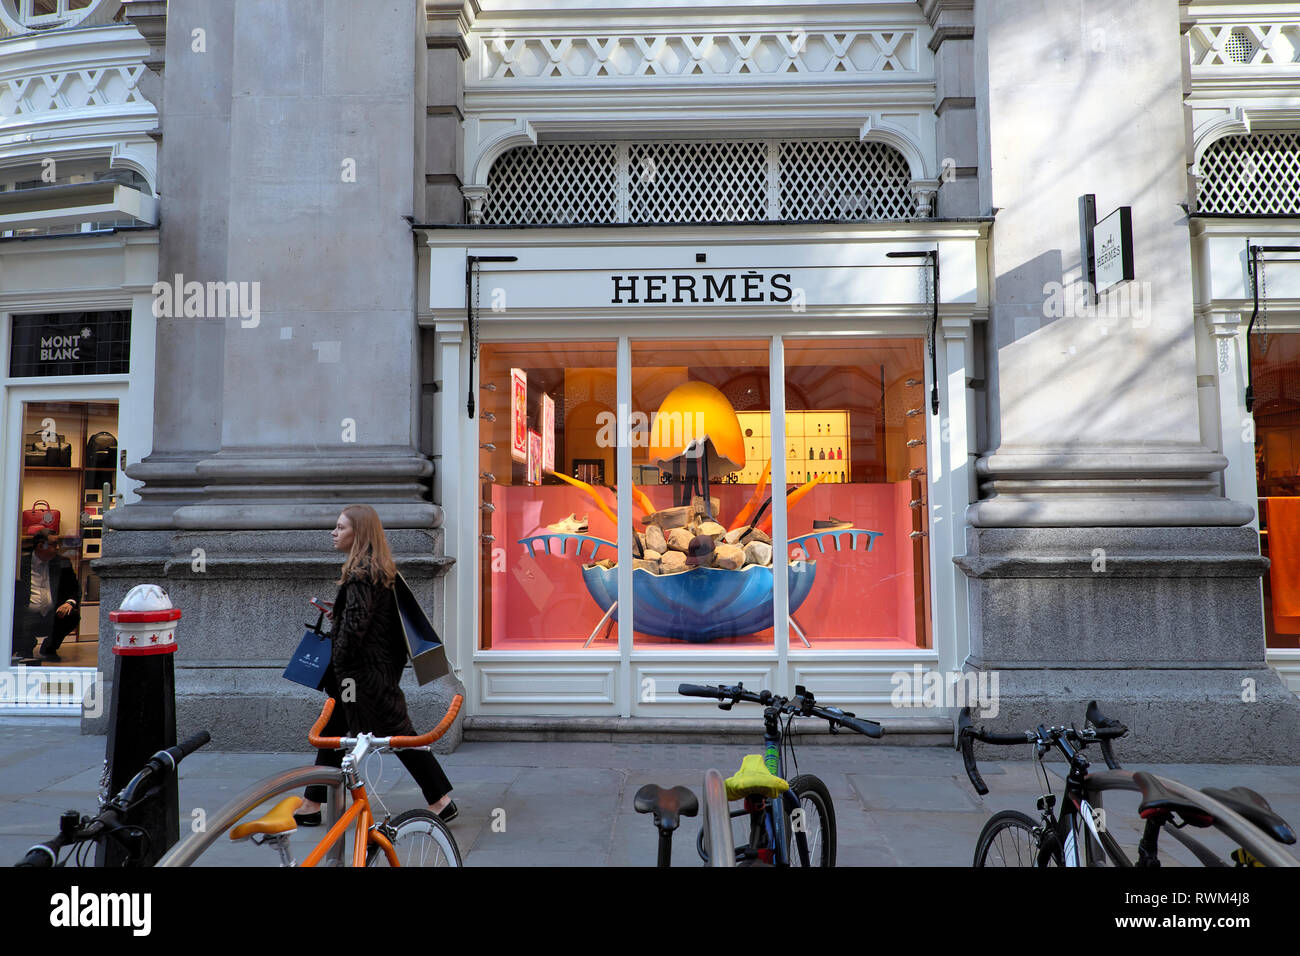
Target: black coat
370, 650
63, 587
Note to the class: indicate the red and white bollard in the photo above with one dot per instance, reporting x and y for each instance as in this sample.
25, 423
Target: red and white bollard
142, 718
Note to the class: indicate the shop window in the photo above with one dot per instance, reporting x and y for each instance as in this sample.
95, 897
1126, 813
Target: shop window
855, 457
1276, 369
70, 343
69, 476
700, 418
548, 409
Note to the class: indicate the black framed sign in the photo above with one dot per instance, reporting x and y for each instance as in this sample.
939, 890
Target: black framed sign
70, 343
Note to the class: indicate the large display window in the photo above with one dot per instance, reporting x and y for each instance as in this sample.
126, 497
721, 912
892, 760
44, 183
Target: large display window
703, 446
548, 455
702, 570
855, 461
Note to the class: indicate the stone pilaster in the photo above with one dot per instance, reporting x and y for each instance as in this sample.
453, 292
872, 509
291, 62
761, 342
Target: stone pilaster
1104, 560
956, 133
294, 150
446, 42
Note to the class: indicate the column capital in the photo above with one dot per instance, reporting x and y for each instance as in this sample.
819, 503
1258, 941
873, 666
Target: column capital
1224, 324
924, 190
475, 196
448, 22
950, 20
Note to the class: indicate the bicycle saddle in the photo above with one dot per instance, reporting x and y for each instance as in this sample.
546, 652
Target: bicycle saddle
668, 806
1254, 808
278, 820
1156, 799
753, 777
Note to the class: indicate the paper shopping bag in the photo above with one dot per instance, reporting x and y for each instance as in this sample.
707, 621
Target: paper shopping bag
428, 655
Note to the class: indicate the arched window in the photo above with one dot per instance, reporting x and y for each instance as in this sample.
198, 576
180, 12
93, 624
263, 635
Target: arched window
25, 16
693, 182
1252, 174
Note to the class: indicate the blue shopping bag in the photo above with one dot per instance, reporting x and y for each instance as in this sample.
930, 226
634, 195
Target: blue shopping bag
309, 661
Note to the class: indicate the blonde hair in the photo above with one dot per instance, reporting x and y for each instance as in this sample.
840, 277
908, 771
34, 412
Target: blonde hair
370, 556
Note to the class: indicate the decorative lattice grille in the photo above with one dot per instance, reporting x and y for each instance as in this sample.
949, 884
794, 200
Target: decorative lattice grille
697, 182
553, 183
681, 182
1252, 174
836, 179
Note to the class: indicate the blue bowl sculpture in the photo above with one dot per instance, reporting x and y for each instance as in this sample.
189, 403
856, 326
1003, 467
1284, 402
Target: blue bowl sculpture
702, 604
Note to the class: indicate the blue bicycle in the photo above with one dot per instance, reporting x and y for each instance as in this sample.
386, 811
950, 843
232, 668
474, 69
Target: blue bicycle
796, 816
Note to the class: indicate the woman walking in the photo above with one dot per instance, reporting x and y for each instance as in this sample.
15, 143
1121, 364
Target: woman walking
366, 663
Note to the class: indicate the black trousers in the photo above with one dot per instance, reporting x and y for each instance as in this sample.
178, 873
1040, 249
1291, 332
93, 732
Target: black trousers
30, 624
420, 764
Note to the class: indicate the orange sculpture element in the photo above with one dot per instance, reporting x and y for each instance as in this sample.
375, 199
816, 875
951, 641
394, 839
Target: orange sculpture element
747, 512
790, 499
692, 414
591, 493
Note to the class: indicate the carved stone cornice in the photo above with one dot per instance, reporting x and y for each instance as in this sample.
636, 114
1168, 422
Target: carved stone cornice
448, 22
150, 18
950, 20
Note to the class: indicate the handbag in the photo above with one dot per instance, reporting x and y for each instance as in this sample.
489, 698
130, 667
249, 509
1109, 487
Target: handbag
428, 654
101, 451
42, 454
37, 519
308, 663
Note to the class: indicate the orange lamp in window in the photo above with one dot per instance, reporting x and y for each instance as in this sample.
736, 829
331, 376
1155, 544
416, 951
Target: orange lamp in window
696, 415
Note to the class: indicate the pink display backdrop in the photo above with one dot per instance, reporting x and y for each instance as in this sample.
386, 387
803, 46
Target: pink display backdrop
860, 599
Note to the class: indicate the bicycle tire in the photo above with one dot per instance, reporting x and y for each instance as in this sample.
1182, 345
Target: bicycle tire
420, 838
1009, 838
819, 821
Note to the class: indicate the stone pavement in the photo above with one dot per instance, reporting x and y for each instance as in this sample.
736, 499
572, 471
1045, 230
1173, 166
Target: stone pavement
570, 804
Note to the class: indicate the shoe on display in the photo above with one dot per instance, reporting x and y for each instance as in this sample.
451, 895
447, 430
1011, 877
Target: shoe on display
832, 524
570, 525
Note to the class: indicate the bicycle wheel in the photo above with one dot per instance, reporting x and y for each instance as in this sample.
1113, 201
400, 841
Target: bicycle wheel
1009, 838
818, 821
420, 839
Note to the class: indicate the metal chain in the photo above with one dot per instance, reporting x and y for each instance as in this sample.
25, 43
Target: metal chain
104, 781
1263, 308
473, 325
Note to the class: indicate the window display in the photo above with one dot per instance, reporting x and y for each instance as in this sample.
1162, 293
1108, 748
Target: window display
542, 526
69, 455
702, 452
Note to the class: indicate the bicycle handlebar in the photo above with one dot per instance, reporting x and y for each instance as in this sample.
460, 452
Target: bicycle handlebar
334, 743
806, 706
1103, 731
74, 830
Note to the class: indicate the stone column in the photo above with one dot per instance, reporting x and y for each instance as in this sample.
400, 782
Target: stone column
293, 143
1105, 561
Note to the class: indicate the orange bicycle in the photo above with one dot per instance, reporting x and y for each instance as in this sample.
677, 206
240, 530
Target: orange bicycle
414, 838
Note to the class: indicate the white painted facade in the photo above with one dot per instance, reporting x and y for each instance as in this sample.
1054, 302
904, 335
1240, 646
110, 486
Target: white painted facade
70, 108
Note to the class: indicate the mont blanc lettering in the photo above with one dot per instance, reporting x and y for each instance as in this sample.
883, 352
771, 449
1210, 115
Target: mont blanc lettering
664, 288
75, 909
60, 348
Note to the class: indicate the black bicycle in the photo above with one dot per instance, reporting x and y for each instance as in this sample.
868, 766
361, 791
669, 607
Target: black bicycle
79, 833
781, 813
1080, 836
